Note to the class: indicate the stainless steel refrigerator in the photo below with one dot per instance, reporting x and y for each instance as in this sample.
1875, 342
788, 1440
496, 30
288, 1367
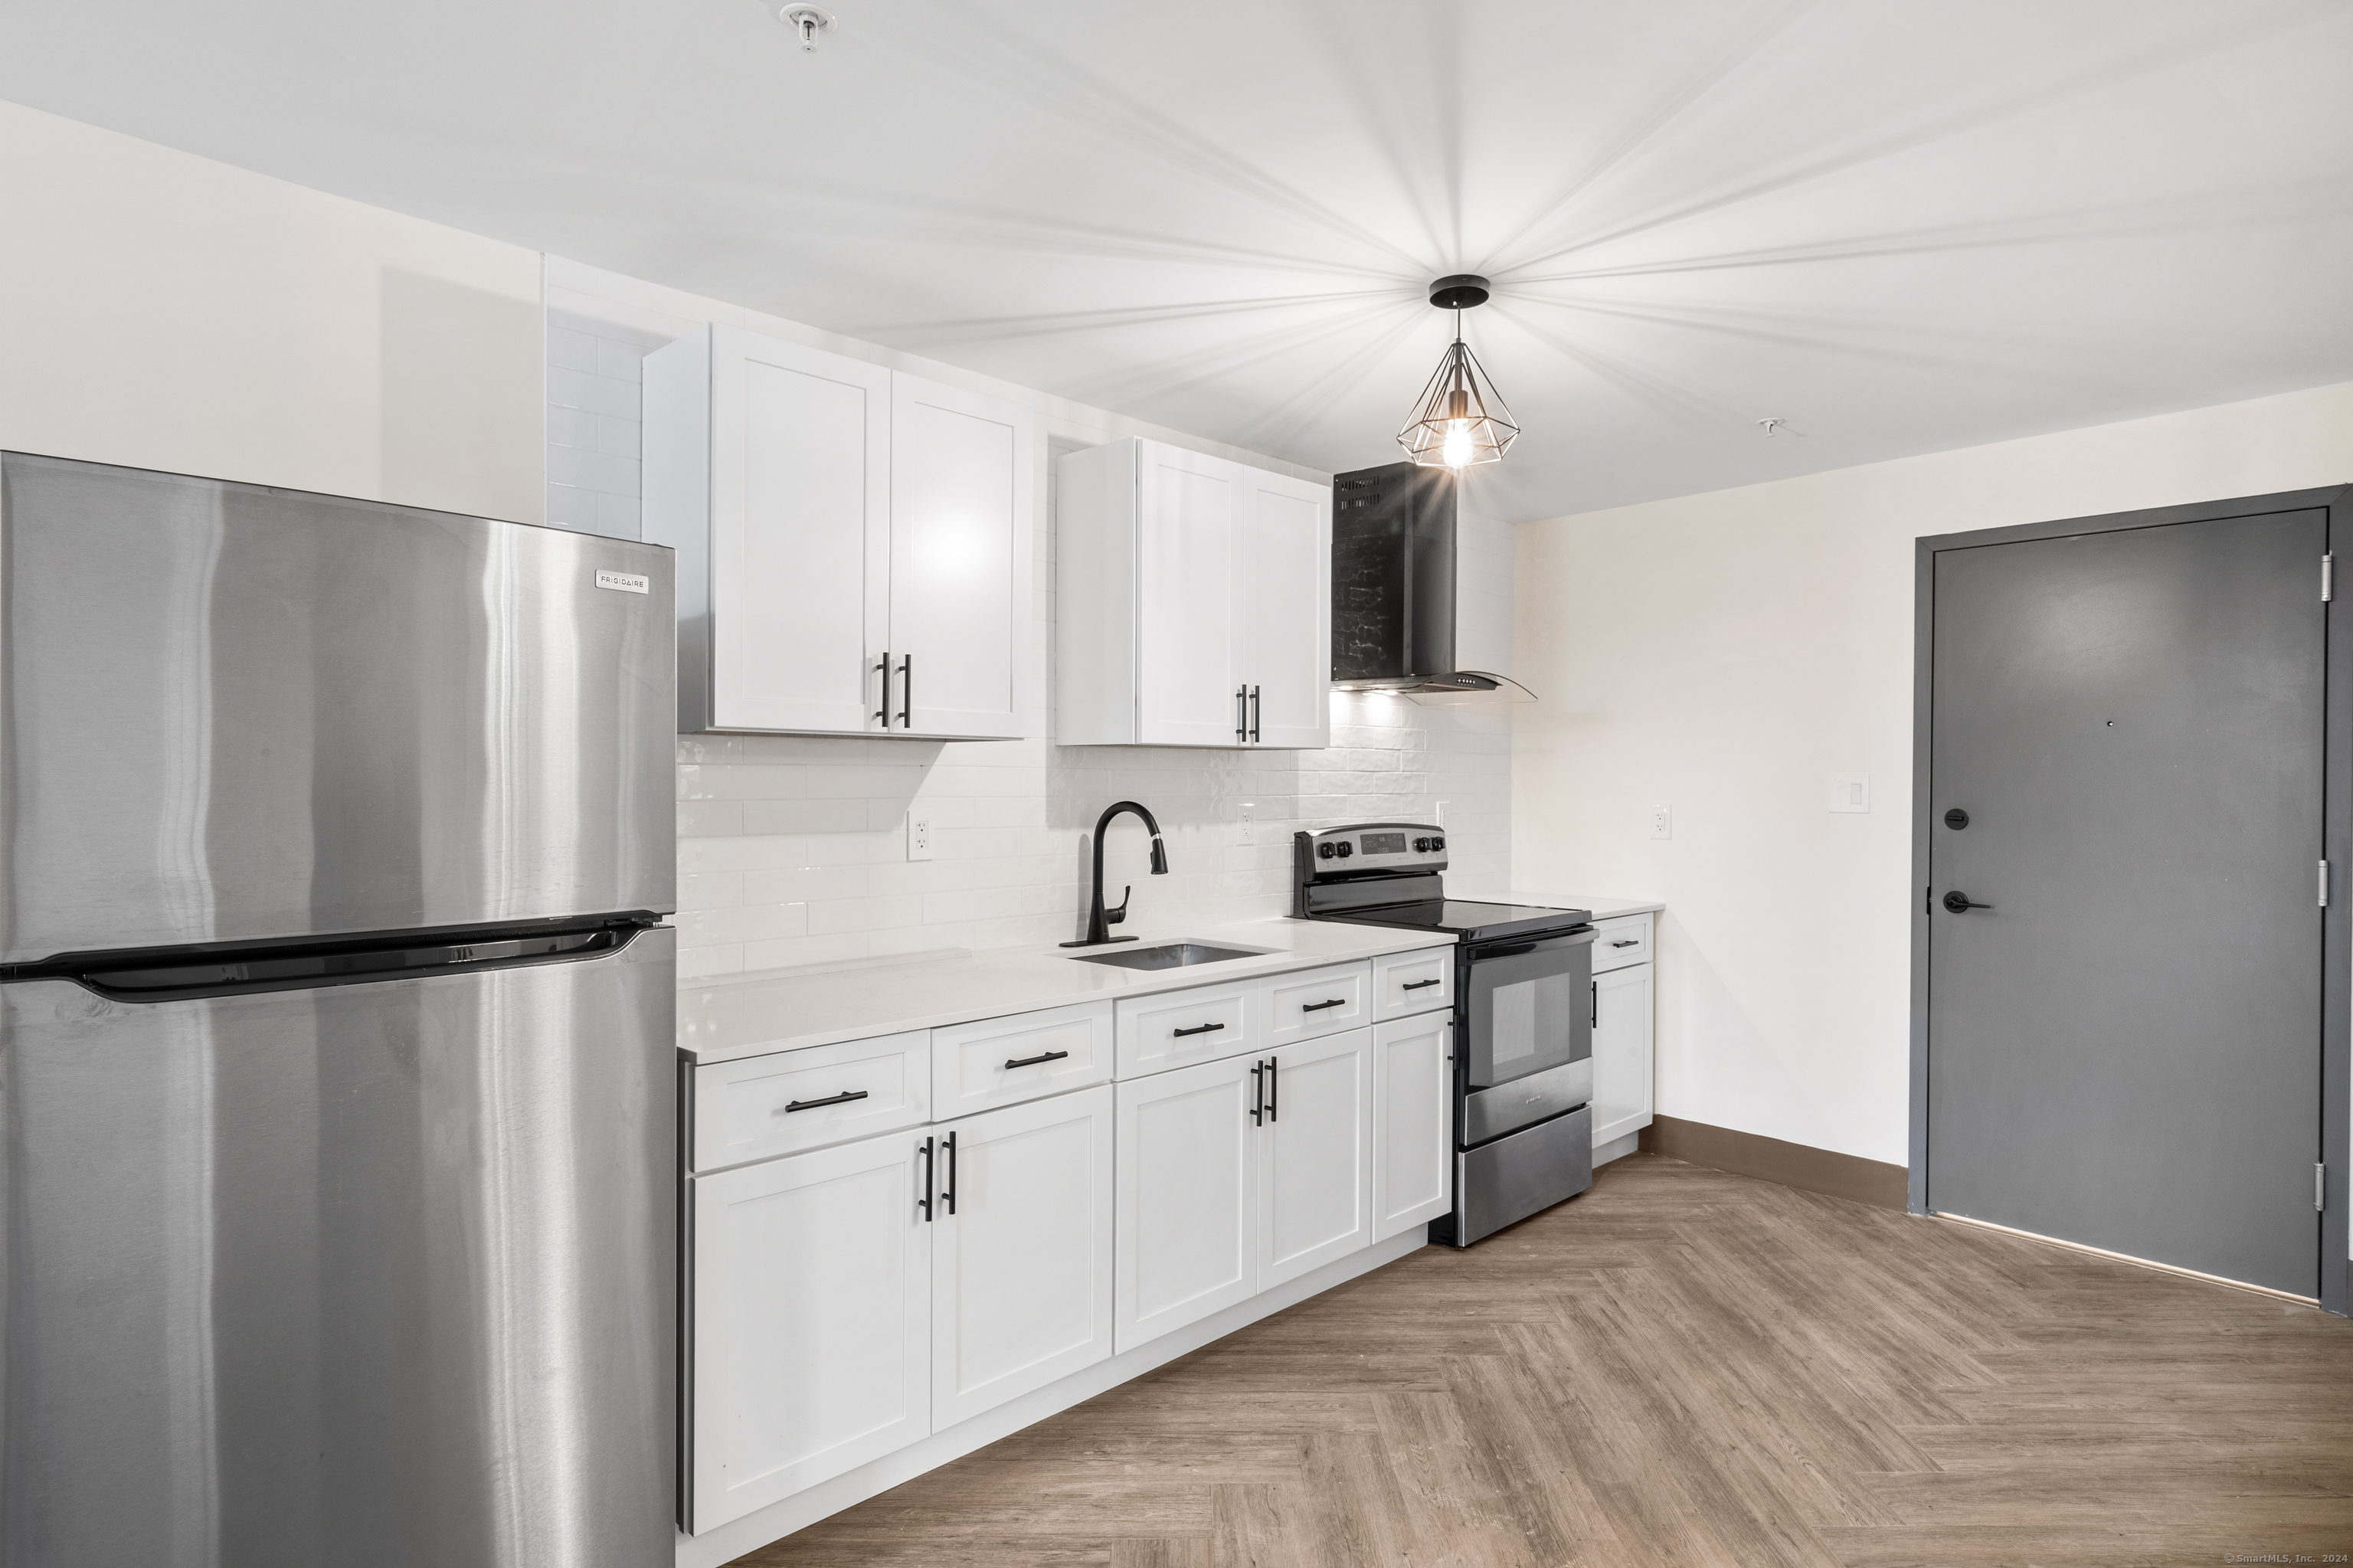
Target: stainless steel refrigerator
337, 1212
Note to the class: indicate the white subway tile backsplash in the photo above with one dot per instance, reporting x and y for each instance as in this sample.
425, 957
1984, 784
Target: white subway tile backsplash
792, 849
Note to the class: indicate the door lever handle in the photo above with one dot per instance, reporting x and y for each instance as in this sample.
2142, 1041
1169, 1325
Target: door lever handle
1960, 904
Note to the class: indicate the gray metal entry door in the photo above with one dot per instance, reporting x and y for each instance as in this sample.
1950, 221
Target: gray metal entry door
2124, 1035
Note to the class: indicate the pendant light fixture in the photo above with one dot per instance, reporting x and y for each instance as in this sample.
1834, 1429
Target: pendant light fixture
1460, 418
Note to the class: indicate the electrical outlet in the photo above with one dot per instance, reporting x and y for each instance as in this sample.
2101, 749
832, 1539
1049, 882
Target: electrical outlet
1848, 792
1662, 821
1249, 822
919, 835
1438, 814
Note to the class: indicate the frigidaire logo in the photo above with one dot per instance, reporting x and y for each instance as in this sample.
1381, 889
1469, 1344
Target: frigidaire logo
625, 582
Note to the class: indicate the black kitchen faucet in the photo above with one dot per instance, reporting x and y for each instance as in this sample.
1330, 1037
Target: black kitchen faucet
1100, 920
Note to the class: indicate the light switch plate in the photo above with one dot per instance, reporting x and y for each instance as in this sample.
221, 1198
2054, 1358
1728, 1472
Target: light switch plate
1438, 814
1249, 822
1849, 792
1662, 821
919, 835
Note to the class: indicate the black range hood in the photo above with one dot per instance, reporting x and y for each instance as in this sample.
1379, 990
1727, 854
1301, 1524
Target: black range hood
1393, 583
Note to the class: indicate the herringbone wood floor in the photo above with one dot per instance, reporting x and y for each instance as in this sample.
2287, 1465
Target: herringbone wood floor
1683, 1368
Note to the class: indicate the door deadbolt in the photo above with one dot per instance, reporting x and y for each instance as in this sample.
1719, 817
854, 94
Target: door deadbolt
1956, 818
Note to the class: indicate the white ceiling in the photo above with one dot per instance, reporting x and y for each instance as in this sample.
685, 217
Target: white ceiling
1901, 225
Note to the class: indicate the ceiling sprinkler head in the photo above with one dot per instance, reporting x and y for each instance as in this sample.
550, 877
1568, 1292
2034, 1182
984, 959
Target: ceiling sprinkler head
1771, 425
808, 21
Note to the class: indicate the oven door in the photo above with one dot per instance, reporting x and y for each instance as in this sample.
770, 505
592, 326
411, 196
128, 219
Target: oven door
1526, 1006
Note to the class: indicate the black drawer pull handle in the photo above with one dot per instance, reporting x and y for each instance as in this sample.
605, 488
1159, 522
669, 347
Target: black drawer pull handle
1628, 942
1417, 985
1273, 1092
1320, 1006
1033, 1061
842, 1098
1197, 1029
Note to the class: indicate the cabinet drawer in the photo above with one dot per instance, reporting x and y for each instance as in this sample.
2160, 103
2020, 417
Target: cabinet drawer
1003, 1061
1179, 1028
1413, 982
804, 1099
1617, 943
1321, 1001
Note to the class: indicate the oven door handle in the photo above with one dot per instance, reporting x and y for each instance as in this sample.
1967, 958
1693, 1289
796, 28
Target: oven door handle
1511, 952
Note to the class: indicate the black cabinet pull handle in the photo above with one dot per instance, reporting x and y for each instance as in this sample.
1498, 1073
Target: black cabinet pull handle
1257, 1094
1627, 942
1033, 1061
906, 693
1593, 1016
1253, 714
1960, 904
885, 667
924, 1202
1241, 713
1274, 1093
947, 1188
1197, 1029
1320, 1006
1417, 985
842, 1098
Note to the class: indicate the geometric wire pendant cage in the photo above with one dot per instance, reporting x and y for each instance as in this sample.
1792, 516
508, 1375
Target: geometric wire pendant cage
1460, 418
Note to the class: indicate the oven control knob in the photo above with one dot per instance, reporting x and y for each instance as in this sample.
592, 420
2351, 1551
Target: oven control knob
1438, 843
1421, 846
1325, 850
1346, 849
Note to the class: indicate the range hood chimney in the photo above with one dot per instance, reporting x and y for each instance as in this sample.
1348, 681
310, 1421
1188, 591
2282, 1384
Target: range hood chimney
1393, 583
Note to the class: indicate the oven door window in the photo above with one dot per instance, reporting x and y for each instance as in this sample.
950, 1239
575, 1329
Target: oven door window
1529, 1007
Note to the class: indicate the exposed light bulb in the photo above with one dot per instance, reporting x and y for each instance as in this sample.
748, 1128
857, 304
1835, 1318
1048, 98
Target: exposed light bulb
1458, 448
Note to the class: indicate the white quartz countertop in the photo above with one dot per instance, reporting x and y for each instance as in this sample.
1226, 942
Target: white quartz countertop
722, 1021
1602, 909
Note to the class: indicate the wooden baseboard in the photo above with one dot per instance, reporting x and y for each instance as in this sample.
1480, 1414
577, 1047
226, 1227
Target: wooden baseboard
1799, 1165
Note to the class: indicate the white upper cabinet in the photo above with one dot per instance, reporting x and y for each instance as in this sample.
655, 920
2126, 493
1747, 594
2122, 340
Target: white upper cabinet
1284, 635
854, 544
960, 518
1194, 601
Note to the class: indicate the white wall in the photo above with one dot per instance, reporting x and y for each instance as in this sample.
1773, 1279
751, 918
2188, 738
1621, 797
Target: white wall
793, 850
162, 311
1723, 653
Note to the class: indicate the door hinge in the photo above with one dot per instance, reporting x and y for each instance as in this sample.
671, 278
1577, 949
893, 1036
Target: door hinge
2327, 577
2320, 1187
2323, 885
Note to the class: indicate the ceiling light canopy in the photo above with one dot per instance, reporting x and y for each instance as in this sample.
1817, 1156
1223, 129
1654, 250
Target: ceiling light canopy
1460, 418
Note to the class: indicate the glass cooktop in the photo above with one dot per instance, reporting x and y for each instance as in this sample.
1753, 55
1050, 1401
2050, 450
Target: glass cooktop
1465, 917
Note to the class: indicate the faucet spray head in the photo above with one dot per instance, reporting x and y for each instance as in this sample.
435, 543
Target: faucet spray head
1159, 857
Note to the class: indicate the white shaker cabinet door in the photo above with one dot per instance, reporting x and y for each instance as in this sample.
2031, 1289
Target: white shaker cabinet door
1021, 1251
960, 638
1190, 519
1316, 1163
800, 498
1413, 1110
1621, 1053
1283, 632
811, 1318
1188, 1214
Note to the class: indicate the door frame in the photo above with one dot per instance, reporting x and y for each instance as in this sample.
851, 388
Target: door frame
2335, 502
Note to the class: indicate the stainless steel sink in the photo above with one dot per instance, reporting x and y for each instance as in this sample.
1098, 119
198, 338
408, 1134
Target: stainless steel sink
1169, 955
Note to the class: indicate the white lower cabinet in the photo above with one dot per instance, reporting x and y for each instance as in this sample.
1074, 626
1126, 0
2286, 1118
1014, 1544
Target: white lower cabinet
1413, 1110
1621, 1053
1021, 1251
1315, 1156
811, 1320
849, 1301
1188, 1193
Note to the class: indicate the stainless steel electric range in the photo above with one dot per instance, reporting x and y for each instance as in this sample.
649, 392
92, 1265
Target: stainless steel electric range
1522, 1015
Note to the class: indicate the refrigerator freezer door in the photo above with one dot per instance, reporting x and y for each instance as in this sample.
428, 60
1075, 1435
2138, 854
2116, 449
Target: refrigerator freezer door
232, 713
380, 1276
